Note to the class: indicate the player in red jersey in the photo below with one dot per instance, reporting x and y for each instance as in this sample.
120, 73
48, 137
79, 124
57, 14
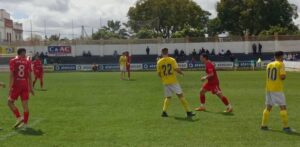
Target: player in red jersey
38, 71
20, 86
128, 64
211, 85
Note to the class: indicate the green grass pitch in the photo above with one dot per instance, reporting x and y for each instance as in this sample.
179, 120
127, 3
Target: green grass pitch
97, 109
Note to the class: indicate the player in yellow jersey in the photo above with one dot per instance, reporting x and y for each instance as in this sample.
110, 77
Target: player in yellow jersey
123, 63
167, 68
274, 92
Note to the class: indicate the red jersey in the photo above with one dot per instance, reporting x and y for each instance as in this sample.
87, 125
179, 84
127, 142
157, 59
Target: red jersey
128, 59
37, 66
210, 68
20, 68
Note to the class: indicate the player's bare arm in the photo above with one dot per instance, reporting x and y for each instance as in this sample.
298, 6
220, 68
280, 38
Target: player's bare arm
207, 76
282, 77
159, 75
179, 71
30, 85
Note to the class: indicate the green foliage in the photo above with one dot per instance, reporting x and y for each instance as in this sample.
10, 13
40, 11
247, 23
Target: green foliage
54, 37
214, 27
255, 16
113, 30
188, 32
166, 16
145, 34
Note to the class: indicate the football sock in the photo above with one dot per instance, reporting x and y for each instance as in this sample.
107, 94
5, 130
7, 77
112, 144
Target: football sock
225, 101
185, 104
284, 118
265, 118
166, 104
16, 113
202, 100
42, 83
26, 116
34, 82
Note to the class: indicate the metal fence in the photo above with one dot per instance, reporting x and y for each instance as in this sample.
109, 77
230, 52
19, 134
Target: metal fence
156, 40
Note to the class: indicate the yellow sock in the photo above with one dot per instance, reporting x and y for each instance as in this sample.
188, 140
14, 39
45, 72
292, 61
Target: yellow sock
166, 104
284, 118
185, 104
265, 118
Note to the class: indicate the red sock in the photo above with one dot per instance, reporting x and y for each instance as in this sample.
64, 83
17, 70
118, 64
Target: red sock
16, 113
26, 116
202, 99
225, 100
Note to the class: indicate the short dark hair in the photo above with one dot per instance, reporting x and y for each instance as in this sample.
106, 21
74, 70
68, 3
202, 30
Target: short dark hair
165, 51
204, 55
21, 50
278, 54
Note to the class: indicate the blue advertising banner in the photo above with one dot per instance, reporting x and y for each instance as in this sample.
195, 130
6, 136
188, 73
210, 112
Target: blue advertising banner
59, 49
108, 67
149, 66
246, 63
65, 67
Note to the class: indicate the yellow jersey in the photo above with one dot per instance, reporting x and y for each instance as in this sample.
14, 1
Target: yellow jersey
166, 68
274, 71
123, 60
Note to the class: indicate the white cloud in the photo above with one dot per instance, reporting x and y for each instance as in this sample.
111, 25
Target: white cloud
59, 14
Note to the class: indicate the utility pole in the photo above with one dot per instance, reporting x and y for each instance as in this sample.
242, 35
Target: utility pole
31, 30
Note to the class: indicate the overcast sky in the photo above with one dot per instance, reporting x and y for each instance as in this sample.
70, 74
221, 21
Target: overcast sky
58, 14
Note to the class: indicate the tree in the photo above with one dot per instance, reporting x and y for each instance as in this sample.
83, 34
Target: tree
112, 30
255, 16
214, 27
166, 16
54, 37
145, 34
188, 31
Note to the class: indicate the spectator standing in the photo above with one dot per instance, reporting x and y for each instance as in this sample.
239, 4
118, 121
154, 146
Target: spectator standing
115, 54
148, 50
213, 52
176, 53
254, 48
259, 48
194, 53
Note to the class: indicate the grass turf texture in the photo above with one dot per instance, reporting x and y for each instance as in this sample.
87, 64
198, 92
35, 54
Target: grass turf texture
97, 109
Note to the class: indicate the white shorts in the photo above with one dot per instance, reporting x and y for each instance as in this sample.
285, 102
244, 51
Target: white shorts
122, 68
275, 98
171, 89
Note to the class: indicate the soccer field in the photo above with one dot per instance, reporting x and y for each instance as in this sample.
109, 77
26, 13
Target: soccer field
97, 109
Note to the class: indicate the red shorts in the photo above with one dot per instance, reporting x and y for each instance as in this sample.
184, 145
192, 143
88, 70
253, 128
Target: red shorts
213, 88
38, 75
17, 92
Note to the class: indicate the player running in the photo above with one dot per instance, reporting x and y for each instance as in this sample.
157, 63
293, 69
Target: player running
128, 57
211, 85
123, 62
20, 86
167, 68
38, 71
274, 92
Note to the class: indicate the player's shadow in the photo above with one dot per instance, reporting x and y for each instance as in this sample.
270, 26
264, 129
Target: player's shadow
186, 119
221, 113
281, 132
40, 89
31, 132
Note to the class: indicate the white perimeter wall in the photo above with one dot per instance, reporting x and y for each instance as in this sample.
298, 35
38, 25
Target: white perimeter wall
140, 49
